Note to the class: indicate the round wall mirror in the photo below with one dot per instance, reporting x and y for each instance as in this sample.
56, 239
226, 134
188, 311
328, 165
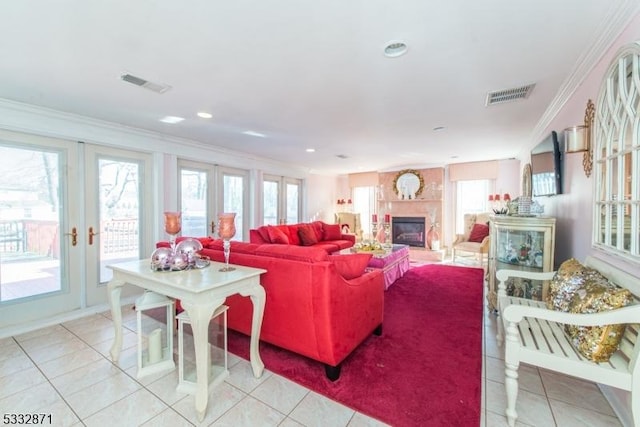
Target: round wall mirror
408, 184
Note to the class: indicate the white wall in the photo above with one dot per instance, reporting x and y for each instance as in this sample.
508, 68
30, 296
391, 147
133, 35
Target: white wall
573, 210
322, 196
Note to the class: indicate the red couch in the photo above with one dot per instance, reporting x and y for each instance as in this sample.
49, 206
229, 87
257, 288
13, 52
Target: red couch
318, 305
317, 234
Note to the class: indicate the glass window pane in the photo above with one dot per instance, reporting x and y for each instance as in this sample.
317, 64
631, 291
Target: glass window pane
119, 189
270, 203
472, 197
193, 202
293, 210
30, 217
234, 201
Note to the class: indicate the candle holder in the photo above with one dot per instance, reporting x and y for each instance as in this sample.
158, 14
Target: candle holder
226, 230
172, 226
387, 236
374, 230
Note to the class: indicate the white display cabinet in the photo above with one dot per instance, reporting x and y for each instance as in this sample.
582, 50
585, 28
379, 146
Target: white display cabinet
520, 243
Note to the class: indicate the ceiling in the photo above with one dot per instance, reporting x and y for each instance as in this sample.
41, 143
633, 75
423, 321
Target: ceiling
311, 74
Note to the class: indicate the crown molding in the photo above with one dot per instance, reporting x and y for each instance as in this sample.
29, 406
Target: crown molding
28, 118
610, 30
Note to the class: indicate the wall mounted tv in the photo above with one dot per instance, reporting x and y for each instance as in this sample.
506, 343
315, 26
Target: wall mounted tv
546, 173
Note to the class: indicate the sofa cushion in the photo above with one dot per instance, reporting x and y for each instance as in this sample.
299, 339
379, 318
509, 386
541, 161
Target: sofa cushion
294, 238
264, 233
317, 227
236, 246
329, 246
292, 252
478, 232
351, 266
307, 235
331, 232
277, 235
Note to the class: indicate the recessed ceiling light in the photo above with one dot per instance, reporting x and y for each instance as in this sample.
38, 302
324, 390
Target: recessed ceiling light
204, 115
252, 133
311, 150
395, 48
171, 119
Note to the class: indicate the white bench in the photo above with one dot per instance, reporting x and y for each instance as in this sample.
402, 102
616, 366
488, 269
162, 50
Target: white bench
535, 335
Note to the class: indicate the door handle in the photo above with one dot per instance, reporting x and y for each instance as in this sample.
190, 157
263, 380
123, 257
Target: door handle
74, 236
91, 234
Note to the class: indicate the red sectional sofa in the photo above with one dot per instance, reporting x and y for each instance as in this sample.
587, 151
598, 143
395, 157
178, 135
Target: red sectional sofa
318, 305
316, 234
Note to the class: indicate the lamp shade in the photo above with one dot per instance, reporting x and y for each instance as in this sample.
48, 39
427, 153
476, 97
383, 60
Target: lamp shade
575, 139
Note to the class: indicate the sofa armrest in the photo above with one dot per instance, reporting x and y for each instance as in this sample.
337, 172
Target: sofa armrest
484, 246
349, 237
631, 314
459, 239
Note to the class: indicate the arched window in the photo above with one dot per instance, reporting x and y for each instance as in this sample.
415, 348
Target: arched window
616, 154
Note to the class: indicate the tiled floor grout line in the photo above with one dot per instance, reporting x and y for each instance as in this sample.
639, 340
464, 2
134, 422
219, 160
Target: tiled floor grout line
47, 379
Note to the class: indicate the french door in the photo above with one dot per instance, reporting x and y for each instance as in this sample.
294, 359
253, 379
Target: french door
54, 246
205, 191
196, 196
234, 197
118, 211
282, 200
40, 250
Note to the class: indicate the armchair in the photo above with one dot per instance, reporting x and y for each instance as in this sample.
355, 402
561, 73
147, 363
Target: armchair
476, 242
351, 220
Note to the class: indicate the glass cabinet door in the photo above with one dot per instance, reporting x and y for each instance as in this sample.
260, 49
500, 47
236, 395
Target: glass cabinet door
521, 243
521, 250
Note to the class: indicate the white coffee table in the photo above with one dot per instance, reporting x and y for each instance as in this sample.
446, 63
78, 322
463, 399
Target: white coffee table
200, 291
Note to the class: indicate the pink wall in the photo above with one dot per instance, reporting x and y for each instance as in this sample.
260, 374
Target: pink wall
573, 209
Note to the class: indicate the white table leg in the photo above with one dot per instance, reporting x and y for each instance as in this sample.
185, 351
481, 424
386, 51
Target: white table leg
257, 295
114, 289
199, 316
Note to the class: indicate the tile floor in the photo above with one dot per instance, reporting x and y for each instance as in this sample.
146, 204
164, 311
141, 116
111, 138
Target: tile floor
65, 371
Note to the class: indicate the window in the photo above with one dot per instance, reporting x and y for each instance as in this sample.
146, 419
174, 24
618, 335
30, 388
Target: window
364, 203
616, 151
471, 197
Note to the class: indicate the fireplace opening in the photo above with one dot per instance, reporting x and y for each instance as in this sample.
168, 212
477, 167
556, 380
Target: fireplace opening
408, 230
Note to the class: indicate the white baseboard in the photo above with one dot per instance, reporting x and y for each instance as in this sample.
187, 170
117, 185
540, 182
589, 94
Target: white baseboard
23, 328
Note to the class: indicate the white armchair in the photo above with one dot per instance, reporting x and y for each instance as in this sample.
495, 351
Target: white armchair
462, 242
352, 220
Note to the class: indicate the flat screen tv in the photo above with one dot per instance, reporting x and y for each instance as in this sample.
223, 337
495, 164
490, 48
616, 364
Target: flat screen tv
546, 173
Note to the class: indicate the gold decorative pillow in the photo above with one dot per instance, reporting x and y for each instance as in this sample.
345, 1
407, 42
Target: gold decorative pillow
568, 279
597, 294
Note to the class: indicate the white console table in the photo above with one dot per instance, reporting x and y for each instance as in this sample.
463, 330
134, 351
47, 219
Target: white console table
200, 291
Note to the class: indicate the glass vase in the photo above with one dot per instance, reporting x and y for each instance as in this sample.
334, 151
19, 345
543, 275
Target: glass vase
433, 239
226, 230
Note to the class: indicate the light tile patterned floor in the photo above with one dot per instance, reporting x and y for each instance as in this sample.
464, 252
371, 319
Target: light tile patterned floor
65, 371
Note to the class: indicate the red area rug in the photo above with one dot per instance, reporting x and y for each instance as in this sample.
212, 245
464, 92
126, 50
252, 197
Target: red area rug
425, 368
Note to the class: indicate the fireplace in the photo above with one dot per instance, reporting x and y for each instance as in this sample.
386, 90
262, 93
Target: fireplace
408, 230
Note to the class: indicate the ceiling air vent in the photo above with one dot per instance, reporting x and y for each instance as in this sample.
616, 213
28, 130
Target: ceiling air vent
508, 95
155, 87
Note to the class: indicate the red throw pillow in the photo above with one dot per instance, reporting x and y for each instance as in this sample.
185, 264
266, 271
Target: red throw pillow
294, 239
276, 235
331, 232
478, 232
263, 231
352, 265
307, 235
